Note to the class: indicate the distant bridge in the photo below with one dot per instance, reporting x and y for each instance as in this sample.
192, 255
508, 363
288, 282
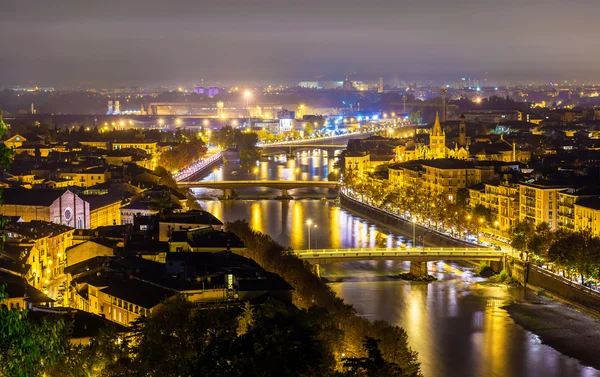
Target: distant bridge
229, 186
417, 256
329, 144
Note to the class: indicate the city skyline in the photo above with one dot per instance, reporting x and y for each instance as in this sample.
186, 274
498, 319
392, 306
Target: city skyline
151, 42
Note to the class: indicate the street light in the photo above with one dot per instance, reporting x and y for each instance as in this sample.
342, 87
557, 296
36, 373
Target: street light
414, 221
297, 170
256, 173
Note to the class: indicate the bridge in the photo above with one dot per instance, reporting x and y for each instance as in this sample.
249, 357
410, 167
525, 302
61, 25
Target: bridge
228, 187
417, 256
329, 144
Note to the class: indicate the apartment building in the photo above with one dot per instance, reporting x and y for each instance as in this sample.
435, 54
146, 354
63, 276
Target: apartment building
539, 202
502, 198
441, 175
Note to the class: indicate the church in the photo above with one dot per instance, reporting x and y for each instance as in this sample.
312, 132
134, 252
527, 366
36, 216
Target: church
437, 147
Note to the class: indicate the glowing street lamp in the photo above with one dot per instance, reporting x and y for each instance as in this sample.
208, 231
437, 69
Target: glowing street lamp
256, 173
414, 221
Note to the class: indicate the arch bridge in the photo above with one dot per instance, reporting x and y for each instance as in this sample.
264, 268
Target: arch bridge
228, 187
418, 257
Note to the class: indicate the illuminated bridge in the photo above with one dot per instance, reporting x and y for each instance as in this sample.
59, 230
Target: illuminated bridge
417, 256
229, 186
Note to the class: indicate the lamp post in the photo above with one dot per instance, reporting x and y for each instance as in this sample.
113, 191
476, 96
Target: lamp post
414, 221
316, 239
297, 170
256, 174
308, 224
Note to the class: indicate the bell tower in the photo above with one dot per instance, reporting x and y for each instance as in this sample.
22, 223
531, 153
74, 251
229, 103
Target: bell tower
437, 140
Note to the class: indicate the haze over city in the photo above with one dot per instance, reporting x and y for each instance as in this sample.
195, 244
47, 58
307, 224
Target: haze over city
143, 42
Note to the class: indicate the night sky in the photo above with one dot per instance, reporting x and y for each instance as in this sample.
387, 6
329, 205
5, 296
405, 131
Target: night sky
112, 42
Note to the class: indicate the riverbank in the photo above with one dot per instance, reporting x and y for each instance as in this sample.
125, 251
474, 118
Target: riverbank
566, 329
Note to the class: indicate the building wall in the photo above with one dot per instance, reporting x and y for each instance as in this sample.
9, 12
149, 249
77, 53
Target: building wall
164, 228
539, 204
28, 213
106, 216
87, 250
85, 179
587, 219
71, 210
357, 164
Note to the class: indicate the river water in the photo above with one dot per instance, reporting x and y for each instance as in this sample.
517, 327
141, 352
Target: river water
456, 324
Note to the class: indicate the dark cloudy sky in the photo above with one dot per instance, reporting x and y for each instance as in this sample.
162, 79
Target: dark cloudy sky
66, 42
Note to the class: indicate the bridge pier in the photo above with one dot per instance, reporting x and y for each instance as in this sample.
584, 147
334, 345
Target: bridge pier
285, 194
228, 194
418, 269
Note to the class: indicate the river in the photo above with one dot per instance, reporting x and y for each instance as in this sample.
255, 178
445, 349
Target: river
456, 324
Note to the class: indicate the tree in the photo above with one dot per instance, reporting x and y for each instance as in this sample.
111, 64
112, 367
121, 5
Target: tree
373, 365
27, 349
521, 235
245, 320
541, 240
462, 197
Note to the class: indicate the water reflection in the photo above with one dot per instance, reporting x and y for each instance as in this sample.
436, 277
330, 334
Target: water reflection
457, 324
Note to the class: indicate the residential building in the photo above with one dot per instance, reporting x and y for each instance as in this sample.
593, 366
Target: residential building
587, 216
442, 175
539, 202
502, 199
88, 177
357, 164
44, 244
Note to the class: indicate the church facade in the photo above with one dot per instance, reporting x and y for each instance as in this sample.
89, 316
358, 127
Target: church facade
437, 147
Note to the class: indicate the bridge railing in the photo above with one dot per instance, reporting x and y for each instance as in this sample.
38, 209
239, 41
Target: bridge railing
196, 167
389, 252
313, 139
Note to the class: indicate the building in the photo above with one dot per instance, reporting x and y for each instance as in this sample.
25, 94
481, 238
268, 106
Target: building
566, 204
357, 164
445, 176
150, 147
87, 177
502, 199
43, 245
436, 147
105, 210
587, 216
539, 202
15, 141
492, 116
186, 221
92, 248
57, 206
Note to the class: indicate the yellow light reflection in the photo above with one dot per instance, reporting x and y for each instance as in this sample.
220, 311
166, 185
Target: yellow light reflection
298, 235
256, 217
334, 227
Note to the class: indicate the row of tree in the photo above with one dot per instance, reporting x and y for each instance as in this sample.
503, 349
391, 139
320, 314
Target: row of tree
425, 204
310, 293
572, 253
182, 155
232, 138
